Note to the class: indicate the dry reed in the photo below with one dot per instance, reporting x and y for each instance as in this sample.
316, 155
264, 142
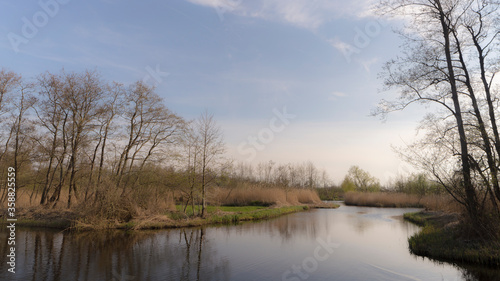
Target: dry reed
248, 194
386, 199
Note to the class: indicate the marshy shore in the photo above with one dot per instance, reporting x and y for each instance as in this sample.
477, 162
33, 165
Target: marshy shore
445, 234
226, 206
444, 237
65, 219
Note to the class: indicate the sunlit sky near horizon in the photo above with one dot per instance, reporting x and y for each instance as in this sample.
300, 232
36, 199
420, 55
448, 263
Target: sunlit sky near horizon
316, 62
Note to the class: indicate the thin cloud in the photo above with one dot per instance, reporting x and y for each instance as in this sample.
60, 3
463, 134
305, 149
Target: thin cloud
336, 95
309, 14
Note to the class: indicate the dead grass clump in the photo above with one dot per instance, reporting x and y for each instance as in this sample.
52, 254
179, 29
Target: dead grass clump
112, 205
249, 196
307, 196
443, 203
26, 198
109, 206
152, 200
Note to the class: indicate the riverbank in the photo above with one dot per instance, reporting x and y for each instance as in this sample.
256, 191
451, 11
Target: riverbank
65, 219
442, 238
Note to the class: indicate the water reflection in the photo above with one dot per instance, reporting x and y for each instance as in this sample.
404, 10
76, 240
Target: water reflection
169, 255
372, 246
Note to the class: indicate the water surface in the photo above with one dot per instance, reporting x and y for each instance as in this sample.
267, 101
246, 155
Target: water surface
349, 243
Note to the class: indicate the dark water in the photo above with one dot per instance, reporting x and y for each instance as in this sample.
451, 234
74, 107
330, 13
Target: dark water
349, 243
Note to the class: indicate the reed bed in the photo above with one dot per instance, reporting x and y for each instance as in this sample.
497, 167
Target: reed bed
402, 200
151, 207
248, 194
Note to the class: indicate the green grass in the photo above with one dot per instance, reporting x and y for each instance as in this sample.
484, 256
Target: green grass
417, 218
173, 219
214, 209
241, 209
233, 214
447, 244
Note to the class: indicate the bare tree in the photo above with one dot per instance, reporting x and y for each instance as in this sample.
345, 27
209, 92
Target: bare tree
437, 67
15, 102
9, 82
81, 96
21, 126
212, 146
143, 109
190, 158
110, 107
52, 119
312, 175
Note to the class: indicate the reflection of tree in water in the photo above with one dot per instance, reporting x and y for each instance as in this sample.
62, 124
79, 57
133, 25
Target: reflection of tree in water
286, 227
469, 272
170, 255
479, 274
195, 259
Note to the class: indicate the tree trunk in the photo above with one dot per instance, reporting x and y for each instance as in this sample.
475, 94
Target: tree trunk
471, 201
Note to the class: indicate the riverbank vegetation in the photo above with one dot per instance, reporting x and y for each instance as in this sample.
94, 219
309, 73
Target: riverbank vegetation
401, 200
416, 190
95, 152
443, 237
252, 203
447, 234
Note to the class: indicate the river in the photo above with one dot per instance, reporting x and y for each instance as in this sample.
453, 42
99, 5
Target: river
349, 243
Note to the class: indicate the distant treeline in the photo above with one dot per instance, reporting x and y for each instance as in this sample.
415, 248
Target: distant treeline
359, 180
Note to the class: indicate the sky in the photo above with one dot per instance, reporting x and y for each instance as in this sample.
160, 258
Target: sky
287, 80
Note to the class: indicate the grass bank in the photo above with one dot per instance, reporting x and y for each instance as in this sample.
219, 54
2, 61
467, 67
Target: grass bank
442, 238
64, 219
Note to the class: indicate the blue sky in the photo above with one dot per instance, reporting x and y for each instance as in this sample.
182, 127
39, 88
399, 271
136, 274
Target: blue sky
241, 60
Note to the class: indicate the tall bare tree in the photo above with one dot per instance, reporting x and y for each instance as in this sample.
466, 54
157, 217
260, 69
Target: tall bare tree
81, 95
9, 82
142, 110
110, 107
447, 44
212, 147
52, 119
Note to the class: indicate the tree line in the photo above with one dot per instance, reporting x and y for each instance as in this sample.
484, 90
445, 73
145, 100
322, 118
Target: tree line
78, 132
292, 175
74, 137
